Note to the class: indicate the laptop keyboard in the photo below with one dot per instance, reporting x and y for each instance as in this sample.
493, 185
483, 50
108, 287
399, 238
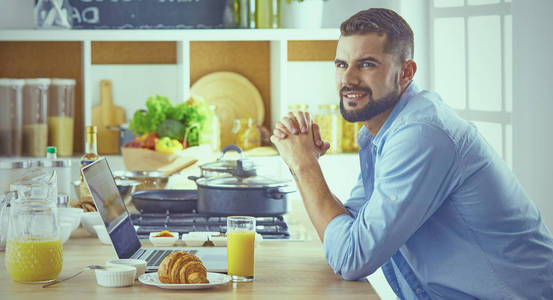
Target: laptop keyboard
153, 257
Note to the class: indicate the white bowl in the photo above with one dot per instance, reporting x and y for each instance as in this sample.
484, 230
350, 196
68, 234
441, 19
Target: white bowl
65, 231
102, 234
89, 219
70, 215
115, 276
195, 239
164, 241
138, 264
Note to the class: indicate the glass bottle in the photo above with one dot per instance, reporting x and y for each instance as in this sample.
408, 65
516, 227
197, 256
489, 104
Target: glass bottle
210, 134
267, 13
238, 126
330, 123
90, 155
350, 132
250, 136
51, 152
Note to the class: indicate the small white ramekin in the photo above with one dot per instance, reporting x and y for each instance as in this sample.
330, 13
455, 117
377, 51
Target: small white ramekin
115, 276
138, 264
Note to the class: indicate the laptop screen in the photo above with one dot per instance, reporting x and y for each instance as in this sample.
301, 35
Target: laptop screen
111, 207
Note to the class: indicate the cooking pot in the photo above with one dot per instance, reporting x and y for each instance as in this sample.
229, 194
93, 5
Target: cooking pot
161, 201
252, 196
241, 167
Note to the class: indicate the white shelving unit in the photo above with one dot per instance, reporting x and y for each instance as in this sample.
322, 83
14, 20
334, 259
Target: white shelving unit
278, 39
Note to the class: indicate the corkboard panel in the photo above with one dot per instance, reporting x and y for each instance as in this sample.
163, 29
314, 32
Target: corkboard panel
250, 59
47, 60
312, 50
137, 53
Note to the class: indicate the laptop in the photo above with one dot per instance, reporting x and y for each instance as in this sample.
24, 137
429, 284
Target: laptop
114, 213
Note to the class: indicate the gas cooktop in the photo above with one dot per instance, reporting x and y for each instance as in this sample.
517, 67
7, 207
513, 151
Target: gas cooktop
270, 228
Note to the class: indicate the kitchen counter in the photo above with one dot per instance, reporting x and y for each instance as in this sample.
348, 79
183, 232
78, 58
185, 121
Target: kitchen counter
284, 269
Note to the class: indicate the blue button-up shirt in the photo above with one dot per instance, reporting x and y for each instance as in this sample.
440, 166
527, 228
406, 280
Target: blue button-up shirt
440, 212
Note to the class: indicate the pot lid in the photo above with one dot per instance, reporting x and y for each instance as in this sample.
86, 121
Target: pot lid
241, 167
238, 182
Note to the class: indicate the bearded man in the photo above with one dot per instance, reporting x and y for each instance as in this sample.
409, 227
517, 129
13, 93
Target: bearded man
434, 206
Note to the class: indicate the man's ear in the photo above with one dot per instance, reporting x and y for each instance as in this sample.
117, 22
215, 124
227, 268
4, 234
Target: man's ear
408, 71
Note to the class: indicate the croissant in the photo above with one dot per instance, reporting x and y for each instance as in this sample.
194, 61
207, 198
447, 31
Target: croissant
182, 267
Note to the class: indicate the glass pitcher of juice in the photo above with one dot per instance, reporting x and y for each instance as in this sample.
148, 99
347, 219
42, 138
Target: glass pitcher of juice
33, 246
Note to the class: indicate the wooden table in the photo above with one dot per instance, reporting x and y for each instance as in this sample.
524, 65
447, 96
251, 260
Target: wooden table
282, 269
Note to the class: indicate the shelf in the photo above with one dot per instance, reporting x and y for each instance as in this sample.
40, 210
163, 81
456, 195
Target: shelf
171, 35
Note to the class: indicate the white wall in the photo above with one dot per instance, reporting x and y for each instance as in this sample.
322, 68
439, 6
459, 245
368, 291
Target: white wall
16, 14
533, 100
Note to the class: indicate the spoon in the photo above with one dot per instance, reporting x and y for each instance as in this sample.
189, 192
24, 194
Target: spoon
91, 267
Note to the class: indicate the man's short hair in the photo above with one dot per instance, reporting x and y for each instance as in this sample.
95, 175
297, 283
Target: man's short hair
399, 36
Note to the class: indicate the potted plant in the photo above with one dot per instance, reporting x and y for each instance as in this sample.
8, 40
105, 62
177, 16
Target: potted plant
302, 13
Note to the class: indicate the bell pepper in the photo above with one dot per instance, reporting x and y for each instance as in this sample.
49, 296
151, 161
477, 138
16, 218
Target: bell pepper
168, 145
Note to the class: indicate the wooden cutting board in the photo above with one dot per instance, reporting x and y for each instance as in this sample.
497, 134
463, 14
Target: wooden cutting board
107, 114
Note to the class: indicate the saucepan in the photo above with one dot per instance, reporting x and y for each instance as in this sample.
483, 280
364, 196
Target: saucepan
252, 196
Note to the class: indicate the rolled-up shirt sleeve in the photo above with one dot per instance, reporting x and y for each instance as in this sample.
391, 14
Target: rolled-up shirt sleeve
413, 176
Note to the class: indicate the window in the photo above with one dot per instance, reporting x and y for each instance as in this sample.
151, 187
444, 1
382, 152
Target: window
471, 46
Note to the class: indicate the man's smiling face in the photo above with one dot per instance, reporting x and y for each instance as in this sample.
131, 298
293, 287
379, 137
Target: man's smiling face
367, 78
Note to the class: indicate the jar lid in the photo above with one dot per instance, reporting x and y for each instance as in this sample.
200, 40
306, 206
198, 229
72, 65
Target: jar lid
63, 81
53, 163
10, 82
15, 164
37, 81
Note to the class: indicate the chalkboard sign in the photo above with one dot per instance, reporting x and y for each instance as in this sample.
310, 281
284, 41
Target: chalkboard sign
152, 14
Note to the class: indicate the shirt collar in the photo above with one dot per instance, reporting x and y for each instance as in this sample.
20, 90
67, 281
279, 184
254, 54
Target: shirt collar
365, 136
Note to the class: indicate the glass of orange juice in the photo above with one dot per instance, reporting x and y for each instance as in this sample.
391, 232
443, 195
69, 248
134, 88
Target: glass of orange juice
240, 248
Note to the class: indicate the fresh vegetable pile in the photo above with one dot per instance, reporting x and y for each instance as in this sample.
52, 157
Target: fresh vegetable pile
166, 128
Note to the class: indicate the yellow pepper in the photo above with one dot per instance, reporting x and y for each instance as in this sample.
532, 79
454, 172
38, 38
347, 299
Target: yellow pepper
168, 145
142, 138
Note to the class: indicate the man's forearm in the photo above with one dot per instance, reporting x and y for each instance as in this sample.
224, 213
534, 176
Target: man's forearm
319, 202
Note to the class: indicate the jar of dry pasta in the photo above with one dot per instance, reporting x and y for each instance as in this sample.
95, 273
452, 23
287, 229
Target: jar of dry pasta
350, 132
330, 124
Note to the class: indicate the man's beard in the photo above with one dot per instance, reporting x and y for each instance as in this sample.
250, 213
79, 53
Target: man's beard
371, 109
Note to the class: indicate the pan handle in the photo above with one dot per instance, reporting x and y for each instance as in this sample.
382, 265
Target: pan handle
279, 193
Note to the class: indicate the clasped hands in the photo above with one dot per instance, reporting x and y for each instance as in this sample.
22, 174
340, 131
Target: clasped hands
298, 140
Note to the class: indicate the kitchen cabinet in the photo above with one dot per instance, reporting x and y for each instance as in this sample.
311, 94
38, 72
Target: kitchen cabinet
169, 59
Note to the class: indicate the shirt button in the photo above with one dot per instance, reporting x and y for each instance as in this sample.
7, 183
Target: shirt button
393, 198
419, 291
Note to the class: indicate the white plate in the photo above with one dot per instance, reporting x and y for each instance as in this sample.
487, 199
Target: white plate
215, 279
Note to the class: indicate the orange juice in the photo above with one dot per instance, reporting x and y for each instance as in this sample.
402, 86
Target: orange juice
240, 252
33, 260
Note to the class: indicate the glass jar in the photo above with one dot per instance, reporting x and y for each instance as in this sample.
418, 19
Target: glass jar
296, 107
35, 129
33, 247
11, 94
61, 112
350, 132
329, 120
250, 136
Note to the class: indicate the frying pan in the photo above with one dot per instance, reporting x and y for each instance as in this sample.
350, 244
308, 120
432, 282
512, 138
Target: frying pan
161, 201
